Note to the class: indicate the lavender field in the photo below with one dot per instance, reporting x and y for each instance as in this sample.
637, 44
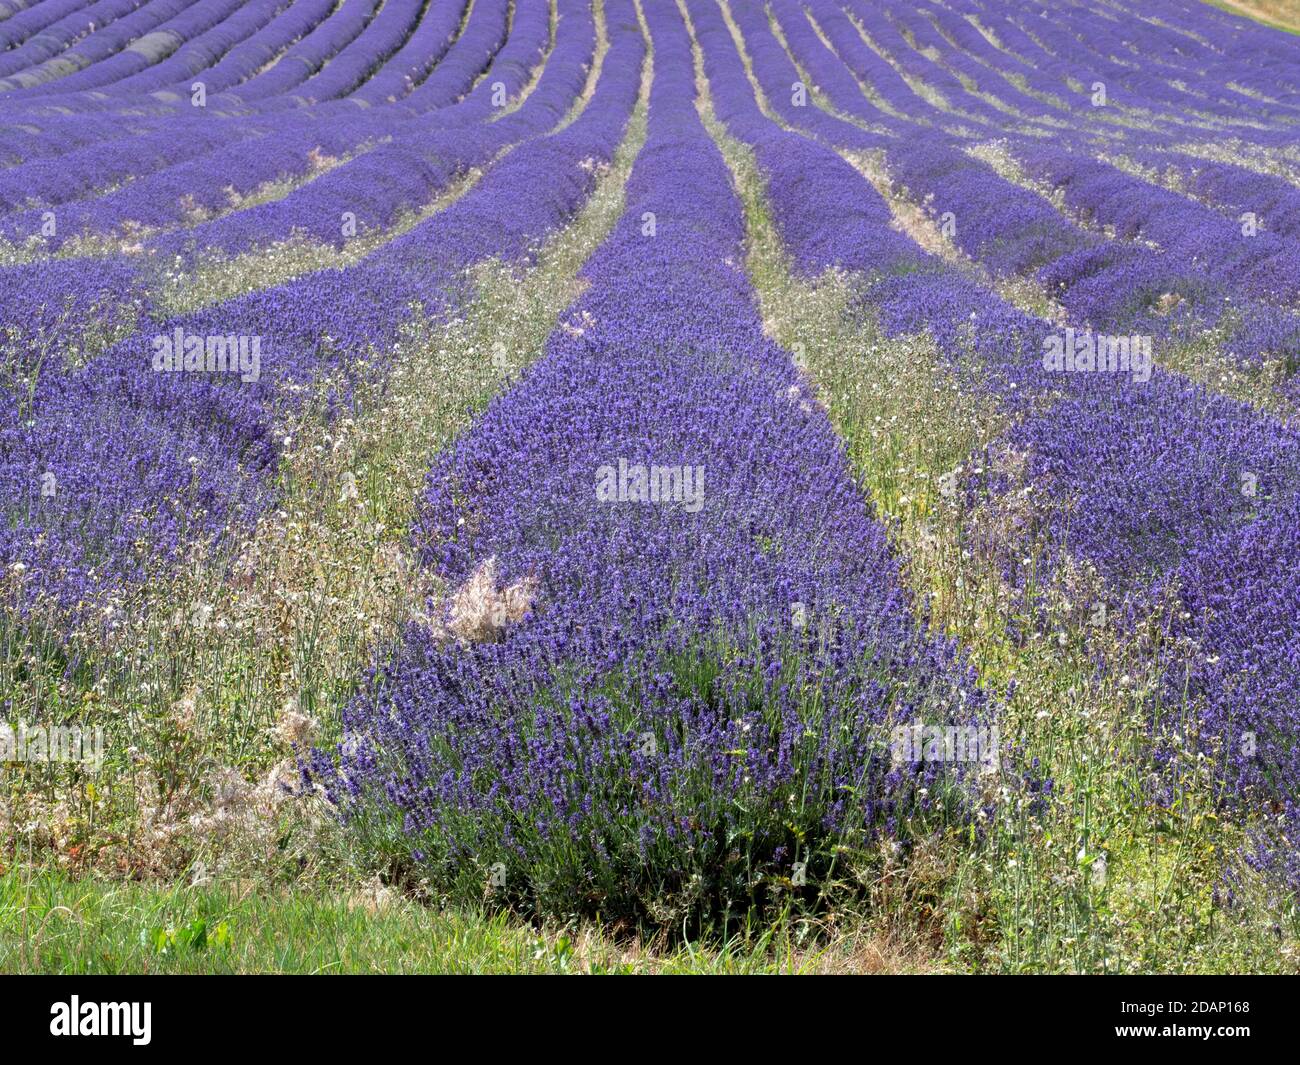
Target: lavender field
752, 484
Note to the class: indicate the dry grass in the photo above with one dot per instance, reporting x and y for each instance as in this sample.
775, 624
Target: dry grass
1281, 14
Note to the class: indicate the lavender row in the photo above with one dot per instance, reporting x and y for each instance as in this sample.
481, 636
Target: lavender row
352, 48
845, 63
1238, 54
931, 66
199, 52
887, 37
1104, 285
975, 60
844, 224
1081, 57
1255, 262
779, 79
230, 169
72, 70
347, 68
412, 166
1235, 190
61, 19
632, 703
847, 51
125, 39
63, 32
147, 67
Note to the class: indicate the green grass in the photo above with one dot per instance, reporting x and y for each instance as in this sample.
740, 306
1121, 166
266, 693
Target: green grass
51, 923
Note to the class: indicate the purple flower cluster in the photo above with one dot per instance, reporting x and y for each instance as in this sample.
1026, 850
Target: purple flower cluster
1240, 600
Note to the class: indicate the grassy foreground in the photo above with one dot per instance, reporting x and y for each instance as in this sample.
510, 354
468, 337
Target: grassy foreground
52, 923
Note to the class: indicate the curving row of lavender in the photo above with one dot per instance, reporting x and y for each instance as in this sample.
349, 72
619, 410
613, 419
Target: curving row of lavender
1223, 273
